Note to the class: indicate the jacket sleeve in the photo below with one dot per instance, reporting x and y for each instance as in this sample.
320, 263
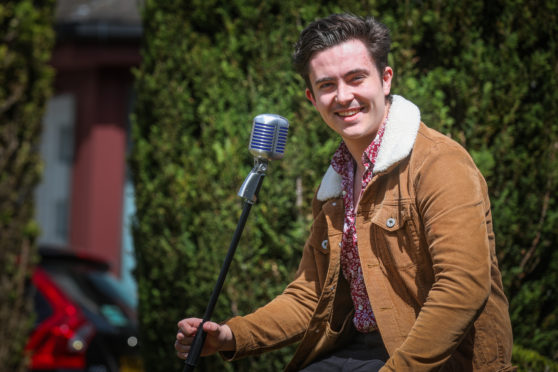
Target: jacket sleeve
285, 319
453, 204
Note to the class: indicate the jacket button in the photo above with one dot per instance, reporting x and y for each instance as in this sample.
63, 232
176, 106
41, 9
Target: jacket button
390, 222
324, 244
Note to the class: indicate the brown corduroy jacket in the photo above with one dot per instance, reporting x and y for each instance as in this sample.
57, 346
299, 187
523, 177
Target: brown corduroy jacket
426, 248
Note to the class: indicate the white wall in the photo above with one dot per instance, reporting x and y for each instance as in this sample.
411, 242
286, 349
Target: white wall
52, 196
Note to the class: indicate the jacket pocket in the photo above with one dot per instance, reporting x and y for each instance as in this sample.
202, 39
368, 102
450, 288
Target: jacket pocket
334, 338
318, 238
321, 247
342, 305
395, 239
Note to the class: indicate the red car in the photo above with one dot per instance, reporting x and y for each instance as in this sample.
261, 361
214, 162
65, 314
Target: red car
85, 322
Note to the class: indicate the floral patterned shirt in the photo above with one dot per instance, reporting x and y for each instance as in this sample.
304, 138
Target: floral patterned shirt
343, 164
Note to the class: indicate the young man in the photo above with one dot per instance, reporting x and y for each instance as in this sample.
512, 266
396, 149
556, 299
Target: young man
399, 272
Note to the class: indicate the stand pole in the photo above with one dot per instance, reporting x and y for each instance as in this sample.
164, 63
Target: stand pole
252, 183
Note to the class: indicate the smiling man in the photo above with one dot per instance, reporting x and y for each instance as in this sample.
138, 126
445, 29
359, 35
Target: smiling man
399, 272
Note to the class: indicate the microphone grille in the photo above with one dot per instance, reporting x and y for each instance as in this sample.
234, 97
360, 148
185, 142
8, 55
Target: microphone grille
269, 136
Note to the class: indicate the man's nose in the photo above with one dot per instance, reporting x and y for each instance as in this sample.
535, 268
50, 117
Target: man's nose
344, 94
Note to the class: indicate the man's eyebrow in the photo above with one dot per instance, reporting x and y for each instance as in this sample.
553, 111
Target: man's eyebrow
352, 72
357, 71
324, 79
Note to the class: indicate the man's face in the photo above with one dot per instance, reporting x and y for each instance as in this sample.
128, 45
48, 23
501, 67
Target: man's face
348, 91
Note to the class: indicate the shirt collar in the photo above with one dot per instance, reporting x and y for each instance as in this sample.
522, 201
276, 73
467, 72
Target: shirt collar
343, 162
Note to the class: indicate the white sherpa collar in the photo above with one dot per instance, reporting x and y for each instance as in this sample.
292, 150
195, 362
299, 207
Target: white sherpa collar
398, 141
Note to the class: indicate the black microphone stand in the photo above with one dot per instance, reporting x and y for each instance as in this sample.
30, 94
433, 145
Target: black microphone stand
249, 192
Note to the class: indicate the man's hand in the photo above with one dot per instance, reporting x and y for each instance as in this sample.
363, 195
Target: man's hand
219, 337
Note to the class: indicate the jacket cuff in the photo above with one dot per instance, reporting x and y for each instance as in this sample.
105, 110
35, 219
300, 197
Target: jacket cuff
236, 330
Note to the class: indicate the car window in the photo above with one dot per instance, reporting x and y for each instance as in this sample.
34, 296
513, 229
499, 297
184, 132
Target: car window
109, 285
96, 291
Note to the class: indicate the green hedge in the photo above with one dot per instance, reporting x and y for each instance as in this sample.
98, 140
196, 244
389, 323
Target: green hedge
26, 41
530, 361
482, 72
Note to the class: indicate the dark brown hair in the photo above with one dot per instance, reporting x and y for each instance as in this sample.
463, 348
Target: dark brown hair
336, 29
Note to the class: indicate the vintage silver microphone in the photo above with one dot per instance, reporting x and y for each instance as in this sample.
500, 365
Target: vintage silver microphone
269, 136
267, 142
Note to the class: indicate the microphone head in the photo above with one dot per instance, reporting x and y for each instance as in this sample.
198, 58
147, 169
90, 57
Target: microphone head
269, 136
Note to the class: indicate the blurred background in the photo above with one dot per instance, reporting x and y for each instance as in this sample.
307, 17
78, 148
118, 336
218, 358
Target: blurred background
83, 289
124, 127
85, 134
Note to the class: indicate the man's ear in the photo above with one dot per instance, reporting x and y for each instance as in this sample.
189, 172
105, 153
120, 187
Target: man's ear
310, 96
386, 80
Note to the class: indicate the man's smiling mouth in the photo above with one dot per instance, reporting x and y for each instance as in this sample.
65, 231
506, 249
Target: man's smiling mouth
348, 112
